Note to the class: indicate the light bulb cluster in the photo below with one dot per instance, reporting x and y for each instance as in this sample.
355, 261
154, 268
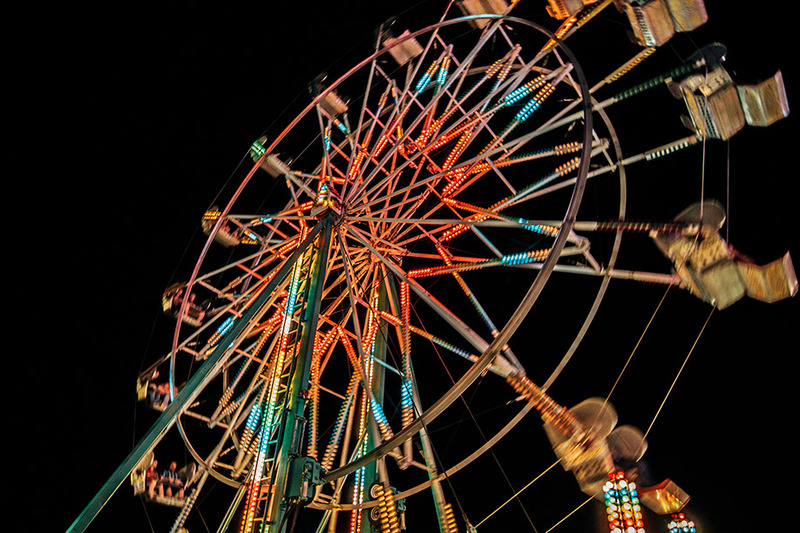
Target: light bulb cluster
534, 103
448, 519
284, 250
454, 180
223, 328
622, 505
538, 228
339, 124
661, 152
326, 138
387, 511
562, 30
443, 71
680, 524
423, 81
458, 149
451, 134
557, 173
249, 238
522, 258
336, 435
458, 229
257, 150
407, 385
380, 419
250, 426
355, 168
212, 215
518, 94
627, 67
429, 131
321, 345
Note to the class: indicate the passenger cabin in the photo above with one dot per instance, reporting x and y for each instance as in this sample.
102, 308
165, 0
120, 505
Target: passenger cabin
481, 7
403, 49
270, 164
172, 301
716, 273
333, 104
563, 9
719, 108
154, 394
148, 482
227, 235
654, 22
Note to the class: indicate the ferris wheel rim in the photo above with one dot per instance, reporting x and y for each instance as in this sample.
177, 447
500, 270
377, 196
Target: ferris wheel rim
547, 267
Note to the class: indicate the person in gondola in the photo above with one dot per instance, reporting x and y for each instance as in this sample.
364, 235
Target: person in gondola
158, 395
151, 478
171, 480
193, 309
152, 389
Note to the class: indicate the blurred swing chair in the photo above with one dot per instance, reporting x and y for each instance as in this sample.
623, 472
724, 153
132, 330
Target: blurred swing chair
599, 448
716, 273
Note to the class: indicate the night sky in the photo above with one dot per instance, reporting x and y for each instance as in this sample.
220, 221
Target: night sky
126, 122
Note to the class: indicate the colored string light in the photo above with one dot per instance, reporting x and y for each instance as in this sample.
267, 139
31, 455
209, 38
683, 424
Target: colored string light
212, 215
521, 92
521, 258
257, 149
339, 124
680, 524
387, 511
550, 411
669, 149
269, 409
622, 505
562, 30
336, 435
423, 81
321, 345
442, 76
326, 138
629, 65
534, 103
448, 519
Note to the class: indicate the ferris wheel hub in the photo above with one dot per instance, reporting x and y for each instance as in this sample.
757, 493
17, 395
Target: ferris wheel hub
326, 200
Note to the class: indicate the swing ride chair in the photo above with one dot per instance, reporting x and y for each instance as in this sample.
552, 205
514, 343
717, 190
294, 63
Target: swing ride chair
451, 157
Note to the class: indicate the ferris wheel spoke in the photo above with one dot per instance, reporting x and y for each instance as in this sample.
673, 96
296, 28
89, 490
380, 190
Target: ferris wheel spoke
263, 259
464, 131
422, 82
449, 317
475, 160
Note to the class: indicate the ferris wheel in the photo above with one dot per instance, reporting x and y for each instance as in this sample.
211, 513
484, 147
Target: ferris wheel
392, 250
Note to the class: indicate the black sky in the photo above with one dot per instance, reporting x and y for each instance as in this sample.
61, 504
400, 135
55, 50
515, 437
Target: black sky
125, 123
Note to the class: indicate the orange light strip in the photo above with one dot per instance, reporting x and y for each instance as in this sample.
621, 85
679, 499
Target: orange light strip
407, 392
336, 435
321, 345
563, 29
630, 64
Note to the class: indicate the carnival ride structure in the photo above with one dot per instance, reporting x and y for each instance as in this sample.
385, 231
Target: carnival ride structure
389, 252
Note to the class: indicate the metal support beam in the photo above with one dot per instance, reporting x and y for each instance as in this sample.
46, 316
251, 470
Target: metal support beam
295, 402
185, 397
